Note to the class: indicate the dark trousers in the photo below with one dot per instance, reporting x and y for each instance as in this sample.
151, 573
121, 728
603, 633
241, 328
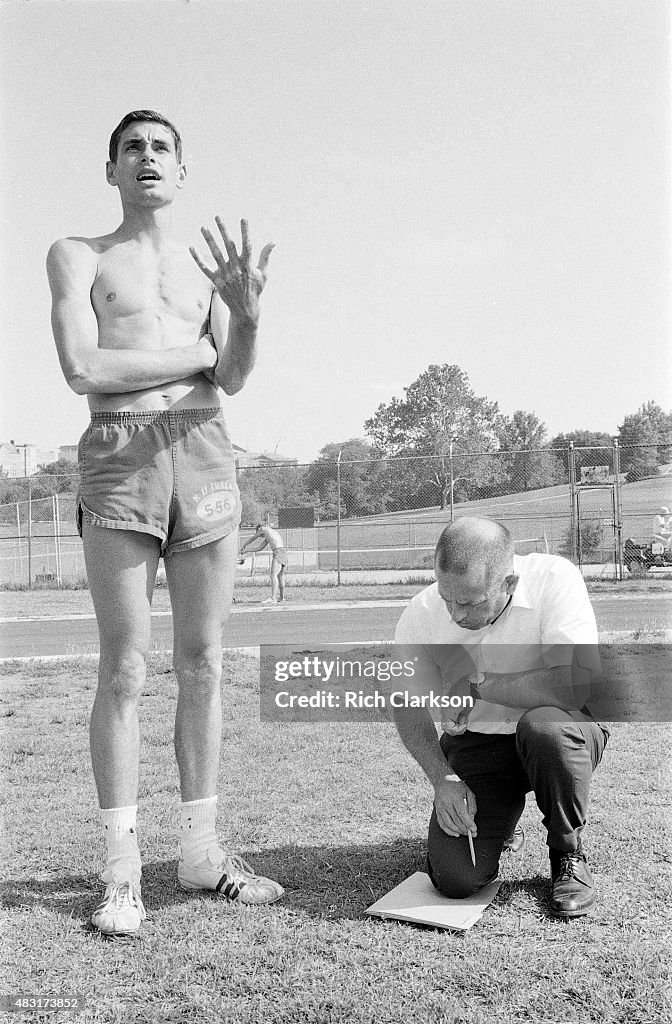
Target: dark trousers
550, 754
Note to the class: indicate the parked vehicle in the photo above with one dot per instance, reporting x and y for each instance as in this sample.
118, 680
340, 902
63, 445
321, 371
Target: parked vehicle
640, 557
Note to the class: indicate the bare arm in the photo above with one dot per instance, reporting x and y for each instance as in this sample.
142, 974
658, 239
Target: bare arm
564, 686
88, 369
236, 341
260, 547
238, 285
419, 736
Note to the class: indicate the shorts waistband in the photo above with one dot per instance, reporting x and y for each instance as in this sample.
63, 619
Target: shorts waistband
126, 417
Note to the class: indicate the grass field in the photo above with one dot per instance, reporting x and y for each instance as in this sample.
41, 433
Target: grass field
52, 601
338, 814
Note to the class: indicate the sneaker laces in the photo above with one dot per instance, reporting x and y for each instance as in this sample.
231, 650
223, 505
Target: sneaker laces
237, 869
121, 896
237, 875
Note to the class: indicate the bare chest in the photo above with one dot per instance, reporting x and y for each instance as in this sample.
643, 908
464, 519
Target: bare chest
132, 284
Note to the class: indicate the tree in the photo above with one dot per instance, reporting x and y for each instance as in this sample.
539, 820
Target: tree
60, 477
589, 447
530, 464
439, 417
12, 489
363, 488
265, 489
646, 441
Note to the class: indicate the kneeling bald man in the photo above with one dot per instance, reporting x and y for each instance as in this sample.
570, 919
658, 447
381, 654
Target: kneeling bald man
528, 631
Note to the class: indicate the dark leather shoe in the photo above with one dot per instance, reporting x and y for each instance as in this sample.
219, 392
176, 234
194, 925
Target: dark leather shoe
572, 889
515, 842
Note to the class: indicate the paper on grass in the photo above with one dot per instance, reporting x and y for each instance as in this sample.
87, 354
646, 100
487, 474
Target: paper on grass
415, 899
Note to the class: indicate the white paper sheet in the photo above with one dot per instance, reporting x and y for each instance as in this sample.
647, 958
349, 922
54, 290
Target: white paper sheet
415, 899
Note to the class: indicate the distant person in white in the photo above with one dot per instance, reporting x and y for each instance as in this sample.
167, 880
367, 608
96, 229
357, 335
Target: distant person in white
527, 631
270, 538
662, 527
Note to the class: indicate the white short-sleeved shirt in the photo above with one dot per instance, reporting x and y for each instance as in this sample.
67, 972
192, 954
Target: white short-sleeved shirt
550, 612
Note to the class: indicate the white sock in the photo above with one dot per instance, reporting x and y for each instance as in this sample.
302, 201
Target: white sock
123, 855
198, 829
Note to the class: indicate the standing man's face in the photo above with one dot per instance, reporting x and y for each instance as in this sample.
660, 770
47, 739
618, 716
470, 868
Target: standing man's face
147, 171
471, 604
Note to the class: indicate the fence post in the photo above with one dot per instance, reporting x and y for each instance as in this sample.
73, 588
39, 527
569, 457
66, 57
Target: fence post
57, 536
618, 511
452, 480
30, 534
573, 518
338, 518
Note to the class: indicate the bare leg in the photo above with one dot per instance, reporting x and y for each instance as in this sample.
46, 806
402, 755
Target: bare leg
275, 570
281, 583
201, 588
121, 568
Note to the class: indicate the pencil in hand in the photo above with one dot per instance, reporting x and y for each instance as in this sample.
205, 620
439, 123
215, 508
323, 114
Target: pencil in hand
471, 848
471, 842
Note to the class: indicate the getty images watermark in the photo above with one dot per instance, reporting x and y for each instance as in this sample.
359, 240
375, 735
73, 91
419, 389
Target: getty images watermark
351, 684
615, 682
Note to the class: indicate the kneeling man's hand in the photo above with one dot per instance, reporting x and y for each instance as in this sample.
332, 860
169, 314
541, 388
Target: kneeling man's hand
455, 807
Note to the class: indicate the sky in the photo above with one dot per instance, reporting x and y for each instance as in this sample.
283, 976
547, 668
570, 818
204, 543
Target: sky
476, 182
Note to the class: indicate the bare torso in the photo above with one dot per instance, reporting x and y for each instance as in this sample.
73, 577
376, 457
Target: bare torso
147, 297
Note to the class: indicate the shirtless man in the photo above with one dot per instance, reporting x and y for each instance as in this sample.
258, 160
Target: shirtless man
143, 330
272, 539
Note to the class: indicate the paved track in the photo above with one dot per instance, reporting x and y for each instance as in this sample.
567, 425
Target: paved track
333, 622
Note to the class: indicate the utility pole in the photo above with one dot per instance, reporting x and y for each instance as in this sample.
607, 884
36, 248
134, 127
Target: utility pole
452, 478
30, 514
338, 518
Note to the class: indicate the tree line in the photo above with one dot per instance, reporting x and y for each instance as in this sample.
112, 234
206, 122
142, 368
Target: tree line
420, 448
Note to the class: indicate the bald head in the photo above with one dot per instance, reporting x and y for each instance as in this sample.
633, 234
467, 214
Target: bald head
471, 546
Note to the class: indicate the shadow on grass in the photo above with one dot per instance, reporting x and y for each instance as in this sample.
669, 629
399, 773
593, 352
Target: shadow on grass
323, 882
535, 889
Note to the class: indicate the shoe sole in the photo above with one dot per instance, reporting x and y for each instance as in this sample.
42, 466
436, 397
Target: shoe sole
193, 887
570, 913
115, 935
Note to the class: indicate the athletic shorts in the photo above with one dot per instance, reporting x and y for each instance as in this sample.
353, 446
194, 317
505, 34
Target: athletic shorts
281, 555
168, 474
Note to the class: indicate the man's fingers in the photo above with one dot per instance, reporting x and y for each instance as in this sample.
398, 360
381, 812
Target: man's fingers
230, 247
208, 273
447, 825
246, 245
449, 820
265, 256
213, 247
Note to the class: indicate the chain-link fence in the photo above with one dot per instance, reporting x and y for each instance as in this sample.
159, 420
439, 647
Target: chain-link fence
370, 516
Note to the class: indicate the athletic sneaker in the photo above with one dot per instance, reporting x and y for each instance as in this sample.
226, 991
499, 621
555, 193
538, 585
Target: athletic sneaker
121, 912
230, 876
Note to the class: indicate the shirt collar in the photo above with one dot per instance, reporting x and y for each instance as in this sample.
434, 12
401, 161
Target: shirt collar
521, 595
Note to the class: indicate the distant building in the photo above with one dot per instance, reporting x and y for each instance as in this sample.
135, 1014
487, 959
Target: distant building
255, 460
24, 459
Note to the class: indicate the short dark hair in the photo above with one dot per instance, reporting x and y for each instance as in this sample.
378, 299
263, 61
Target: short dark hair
143, 115
471, 542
